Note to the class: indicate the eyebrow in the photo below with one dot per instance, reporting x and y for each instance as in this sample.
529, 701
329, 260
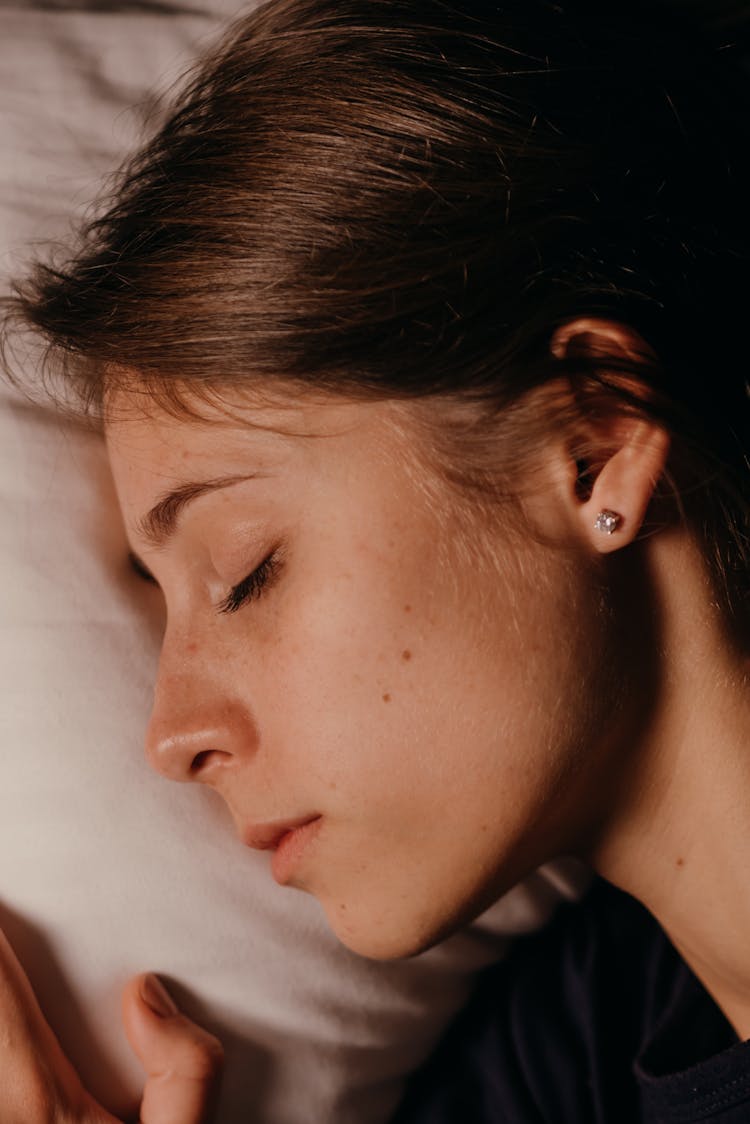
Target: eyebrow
160, 523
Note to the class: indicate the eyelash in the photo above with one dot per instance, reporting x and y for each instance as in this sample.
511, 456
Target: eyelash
251, 587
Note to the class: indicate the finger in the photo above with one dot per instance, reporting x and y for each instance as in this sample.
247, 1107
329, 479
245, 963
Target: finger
36, 1078
182, 1061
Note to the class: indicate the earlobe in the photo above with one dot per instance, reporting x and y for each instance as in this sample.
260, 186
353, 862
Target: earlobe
612, 516
632, 447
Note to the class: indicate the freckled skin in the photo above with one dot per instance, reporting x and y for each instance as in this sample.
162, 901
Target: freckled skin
472, 775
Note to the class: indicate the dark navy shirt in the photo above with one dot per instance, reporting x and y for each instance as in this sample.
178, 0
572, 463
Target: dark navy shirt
594, 1020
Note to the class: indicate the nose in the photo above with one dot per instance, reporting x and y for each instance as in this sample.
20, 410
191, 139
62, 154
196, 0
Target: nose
197, 733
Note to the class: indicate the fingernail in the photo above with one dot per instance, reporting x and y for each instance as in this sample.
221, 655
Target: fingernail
154, 993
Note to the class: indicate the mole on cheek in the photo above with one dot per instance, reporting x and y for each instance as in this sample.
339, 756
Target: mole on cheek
406, 654
386, 698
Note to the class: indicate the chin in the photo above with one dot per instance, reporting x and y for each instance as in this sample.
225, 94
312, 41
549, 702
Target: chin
389, 920
385, 935
383, 946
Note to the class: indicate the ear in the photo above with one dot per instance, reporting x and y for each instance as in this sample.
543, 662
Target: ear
632, 450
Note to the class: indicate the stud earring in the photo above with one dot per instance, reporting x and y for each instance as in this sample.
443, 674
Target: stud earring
607, 521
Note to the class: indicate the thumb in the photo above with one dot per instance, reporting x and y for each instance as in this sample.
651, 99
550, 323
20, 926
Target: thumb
182, 1061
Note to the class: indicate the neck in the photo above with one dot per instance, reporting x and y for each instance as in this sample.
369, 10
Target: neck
678, 838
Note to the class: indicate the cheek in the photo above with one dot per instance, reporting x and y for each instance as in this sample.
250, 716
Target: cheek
356, 685
381, 679
436, 727
348, 658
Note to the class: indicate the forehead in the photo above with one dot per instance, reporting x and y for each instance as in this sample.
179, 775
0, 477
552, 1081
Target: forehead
151, 447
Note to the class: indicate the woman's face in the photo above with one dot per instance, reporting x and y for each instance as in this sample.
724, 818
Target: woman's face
432, 713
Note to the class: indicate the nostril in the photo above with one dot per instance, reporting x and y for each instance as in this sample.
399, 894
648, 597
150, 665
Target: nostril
206, 757
199, 761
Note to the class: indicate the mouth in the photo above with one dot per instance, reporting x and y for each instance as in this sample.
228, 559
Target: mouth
287, 838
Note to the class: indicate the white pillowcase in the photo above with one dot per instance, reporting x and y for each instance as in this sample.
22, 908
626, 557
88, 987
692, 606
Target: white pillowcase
105, 869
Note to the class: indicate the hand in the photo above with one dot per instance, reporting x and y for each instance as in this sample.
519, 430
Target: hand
39, 1085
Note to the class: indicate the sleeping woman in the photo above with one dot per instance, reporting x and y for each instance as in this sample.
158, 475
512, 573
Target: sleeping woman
417, 336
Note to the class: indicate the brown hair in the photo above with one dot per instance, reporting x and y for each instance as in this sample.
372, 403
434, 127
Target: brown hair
404, 198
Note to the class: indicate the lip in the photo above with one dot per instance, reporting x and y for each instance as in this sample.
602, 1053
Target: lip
288, 839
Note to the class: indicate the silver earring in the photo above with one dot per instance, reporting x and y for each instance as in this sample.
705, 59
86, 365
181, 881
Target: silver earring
607, 521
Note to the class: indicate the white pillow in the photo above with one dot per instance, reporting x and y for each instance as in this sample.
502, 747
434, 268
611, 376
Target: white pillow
105, 869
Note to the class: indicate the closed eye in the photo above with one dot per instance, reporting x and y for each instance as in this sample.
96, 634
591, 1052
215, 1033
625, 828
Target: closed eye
249, 588
253, 585
140, 569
